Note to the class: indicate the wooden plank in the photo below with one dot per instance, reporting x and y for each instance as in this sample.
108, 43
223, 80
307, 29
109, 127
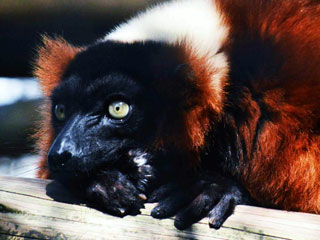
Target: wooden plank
27, 209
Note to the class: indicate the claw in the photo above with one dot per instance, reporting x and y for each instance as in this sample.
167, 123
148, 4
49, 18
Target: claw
122, 211
213, 223
155, 212
142, 197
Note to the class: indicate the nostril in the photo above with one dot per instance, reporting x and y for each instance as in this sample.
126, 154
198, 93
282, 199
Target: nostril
65, 157
57, 161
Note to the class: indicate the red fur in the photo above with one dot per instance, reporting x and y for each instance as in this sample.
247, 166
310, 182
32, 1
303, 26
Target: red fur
45, 137
187, 128
53, 58
284, 170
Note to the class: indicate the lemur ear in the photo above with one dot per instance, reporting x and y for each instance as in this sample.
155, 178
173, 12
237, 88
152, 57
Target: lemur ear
52, 59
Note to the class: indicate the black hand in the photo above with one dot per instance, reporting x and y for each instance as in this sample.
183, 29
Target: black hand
113, 193
210, 195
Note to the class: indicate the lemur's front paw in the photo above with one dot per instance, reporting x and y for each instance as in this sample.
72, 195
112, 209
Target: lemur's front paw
115, 194
142, 177
212, 196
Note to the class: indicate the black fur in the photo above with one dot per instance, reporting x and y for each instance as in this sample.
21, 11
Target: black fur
94, 154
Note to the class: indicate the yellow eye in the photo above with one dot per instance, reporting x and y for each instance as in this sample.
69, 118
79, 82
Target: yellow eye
60, 112
118, 109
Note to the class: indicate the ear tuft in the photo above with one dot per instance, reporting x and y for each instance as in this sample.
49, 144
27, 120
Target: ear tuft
52, 59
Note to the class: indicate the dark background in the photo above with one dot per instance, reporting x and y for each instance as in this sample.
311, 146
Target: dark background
78, 21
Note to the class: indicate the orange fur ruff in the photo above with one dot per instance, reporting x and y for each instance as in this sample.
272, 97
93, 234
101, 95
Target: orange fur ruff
53, 58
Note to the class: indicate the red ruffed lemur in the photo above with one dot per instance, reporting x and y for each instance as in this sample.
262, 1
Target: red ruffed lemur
199, 105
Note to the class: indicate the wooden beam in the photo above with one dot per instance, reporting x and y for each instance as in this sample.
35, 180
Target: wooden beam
27, 210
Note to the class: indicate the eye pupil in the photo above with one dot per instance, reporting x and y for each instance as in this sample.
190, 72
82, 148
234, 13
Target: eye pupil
119, 109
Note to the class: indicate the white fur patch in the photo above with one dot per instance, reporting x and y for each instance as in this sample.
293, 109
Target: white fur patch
197, 22
140, 160
220, 63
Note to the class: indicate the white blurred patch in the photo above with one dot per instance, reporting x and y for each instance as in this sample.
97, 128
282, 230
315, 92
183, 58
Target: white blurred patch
24, 166
15, 89
140, 160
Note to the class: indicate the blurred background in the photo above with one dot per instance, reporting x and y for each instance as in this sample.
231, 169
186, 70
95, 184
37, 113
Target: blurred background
22, 23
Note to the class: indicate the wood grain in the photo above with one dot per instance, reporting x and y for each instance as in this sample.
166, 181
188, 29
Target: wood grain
28, 209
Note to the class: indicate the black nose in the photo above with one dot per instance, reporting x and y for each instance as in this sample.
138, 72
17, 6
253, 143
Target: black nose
66, 151
57, 161
63, 149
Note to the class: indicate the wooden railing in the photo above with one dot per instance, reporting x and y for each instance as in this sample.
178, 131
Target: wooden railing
28, 211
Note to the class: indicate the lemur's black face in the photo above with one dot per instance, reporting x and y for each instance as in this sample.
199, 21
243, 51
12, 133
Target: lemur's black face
100, 124
106, 112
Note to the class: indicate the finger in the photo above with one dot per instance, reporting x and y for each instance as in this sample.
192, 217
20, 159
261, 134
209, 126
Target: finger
221, 211
169, 206
177, 200
162, 192
198, 209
